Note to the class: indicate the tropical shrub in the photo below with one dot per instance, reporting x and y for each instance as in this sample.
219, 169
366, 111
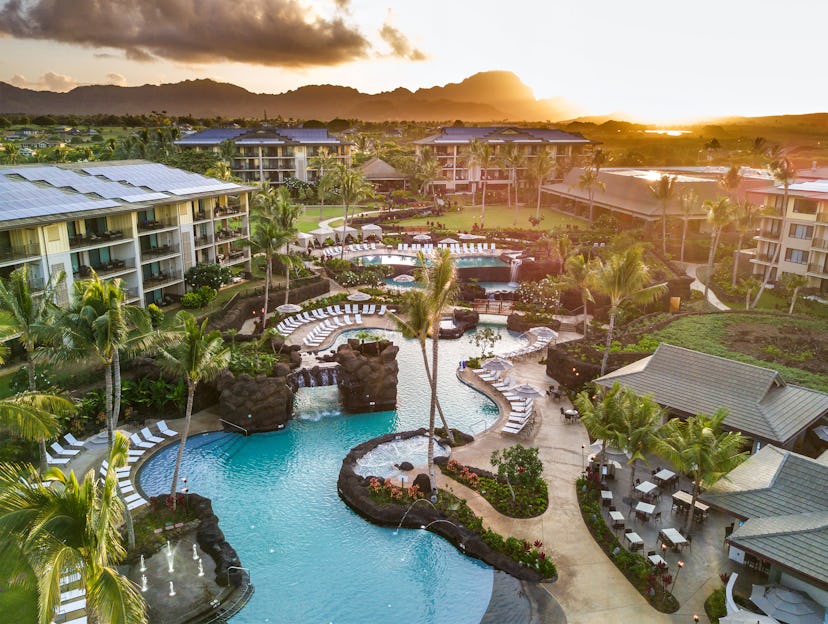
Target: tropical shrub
208, 274
156, 315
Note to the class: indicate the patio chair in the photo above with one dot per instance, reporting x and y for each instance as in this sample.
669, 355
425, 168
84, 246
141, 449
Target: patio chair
57, 448
149, 437
165, 430
72, 440
136, 440
56, 461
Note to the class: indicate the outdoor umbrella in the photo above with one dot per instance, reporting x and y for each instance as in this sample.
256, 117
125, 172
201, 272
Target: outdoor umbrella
470, 237
610, 450
544, 332
785, 604
448, 241
746, 617
405, 279
498, 365
525, 391
359, 296
289, 308
422, 237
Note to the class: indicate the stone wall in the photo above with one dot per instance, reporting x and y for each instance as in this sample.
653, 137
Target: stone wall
368, 375
263, 403
464, 320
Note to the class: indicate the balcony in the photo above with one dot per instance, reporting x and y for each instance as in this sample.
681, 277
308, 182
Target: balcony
21, 252
203, 241
104, 269
160, 280
151, 226
819, 243
155, 252
202, 215
233, 257
224, 211
92, 239
818, 269
229, 234
822, 216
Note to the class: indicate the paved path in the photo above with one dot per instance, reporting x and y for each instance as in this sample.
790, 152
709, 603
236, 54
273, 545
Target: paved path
690, 269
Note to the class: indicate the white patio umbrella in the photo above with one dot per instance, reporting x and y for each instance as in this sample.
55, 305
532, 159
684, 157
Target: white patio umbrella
497, 364
371, 227
787, 605
448, 241
468, 237
358, 296
544, 332
422, 237
405, 279
746, 617
610, 450
526, 392
289, 308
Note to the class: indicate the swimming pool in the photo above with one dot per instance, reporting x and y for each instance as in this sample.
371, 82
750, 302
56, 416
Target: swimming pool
310, 557
461, 262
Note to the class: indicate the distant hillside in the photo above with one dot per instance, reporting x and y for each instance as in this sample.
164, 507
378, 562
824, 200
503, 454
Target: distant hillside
486, 96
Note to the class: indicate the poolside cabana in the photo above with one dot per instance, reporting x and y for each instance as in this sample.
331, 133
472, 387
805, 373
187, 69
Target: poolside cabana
322, 234
371, 229
343, 232
304, 240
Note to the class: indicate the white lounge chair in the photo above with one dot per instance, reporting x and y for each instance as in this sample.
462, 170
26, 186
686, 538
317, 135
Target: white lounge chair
382, 310
72, 440
149, 437
80, 620
165, 430
57, 448
140, 443
68, 607
358, 318
136, 503
56, 461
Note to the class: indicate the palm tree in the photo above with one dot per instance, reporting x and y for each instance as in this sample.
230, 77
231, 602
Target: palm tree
636, 430
698, 448
31, 415
222, 171
12, 153
688, 202
748, 285
588, 181
783, 173
623, 278
350, 185
730, 181
663, 191
418, 326
600, 414
480, 154
719, 215
227, 152
793, 283
426, 170
70, 529
197, 356
285, 214
440, 287
540, 168
578, 275
322, 163
745, 216
512, 157
266, 237
28, 315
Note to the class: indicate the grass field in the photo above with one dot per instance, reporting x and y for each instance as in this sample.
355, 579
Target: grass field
310, 219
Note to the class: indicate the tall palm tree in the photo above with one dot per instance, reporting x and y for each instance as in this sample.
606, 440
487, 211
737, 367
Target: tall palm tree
540, 168
783, 173
578, 275
197, 356
222, 171
588, 181
323, 162
480, 154
688, 203
267, 238
719, 216
351, 186
28, 314
793, 283
600, 415
512, 157
12, 152
418, 326
636, 430
285, 214
700, 449
440, 287
663, 191
623, 278
730, 181
426, 170
71, 528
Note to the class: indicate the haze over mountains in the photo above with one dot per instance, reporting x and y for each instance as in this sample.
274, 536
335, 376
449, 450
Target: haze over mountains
487, 96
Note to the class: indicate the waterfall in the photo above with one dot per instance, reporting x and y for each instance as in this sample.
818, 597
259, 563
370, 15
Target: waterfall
300, 380
323, 377
515, 268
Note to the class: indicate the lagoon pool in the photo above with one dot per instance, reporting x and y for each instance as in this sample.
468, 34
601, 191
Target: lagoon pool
310, 557
461, 262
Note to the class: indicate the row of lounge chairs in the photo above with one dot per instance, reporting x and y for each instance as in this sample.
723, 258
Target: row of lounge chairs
72, 603
328, 326
63, 455
468, 248
538, 345
287, 326
335, 251
523, 410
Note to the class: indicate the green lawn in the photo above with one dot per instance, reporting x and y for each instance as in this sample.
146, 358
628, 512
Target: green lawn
310, 219
499, 216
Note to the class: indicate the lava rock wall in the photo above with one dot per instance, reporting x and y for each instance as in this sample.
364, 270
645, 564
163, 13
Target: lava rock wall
368, 375
257, 404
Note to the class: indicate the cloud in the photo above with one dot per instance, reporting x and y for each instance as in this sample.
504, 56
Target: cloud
400, 45
263, 32
49, 81
116, 79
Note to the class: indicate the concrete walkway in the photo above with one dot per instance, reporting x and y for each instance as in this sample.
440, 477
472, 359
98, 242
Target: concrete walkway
690, 269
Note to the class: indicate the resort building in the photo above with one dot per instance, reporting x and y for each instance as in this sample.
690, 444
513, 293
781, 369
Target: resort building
780, 502
270, 154
143, 222
801, 228
383, 176
625, 194
760, 404
450, 147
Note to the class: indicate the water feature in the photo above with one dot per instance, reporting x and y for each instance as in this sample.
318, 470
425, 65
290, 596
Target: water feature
200, 567
419, 500
195, 552
384, 459
461, 262
172, 589
275, 495
514, 269
144, 586
143, 564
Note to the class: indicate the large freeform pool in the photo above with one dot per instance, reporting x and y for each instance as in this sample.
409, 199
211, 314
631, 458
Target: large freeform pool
310, 557
461, 262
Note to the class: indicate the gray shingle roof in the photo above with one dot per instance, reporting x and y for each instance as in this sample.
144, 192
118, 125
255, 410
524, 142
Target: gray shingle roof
378, 169
759, 402
501, 134
256, 136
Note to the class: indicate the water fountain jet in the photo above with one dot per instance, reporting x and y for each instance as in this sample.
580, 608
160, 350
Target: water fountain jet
200, 567
195, 552
172, 589
409, 509
144, 586
143, 565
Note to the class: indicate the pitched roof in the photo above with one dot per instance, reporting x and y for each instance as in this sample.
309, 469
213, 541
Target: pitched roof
501, 134
784, 498
378, 169
261, 136
759, 402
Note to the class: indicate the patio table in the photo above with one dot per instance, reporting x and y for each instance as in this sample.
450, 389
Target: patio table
606, 497
685, 498
645, 508
672, 538
635, 541
617, 519
657, 560
664, 476
645, 487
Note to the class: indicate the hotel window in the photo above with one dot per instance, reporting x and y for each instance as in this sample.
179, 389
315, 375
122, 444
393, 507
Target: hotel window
797, 256
804, 206
801, 231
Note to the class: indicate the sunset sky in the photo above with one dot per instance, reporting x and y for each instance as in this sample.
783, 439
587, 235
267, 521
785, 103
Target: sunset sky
660, 61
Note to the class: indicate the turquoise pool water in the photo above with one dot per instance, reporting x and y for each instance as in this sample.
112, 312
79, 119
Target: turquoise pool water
461, 262
311, 558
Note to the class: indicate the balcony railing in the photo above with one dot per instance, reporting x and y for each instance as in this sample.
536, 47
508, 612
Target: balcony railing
822, 216
201, 241
223, 211
234, 256
84, 240
156, 225
226, 234
161, 250
818, 267
15, 253
114, 266
201, 215
819, 243
769, 234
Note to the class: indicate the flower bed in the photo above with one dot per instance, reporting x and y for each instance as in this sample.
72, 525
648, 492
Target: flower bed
651, 581
528, 502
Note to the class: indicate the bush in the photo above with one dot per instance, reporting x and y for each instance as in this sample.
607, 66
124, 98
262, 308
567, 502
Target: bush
520, 465
208, 274
715, 606
156, 315
190, 300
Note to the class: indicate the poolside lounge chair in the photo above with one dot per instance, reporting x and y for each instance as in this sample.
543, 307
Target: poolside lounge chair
72, 594
72, 440
139, 442
347, 320
57, 448
165, 430
139, 502
338, 311
382, 310
149, 437
68, 607
358, 318
371, 309
56, 461
80, 620
126, 488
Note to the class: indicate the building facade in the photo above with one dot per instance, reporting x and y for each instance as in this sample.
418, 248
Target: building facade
270, 154
142, 222
800, 227
450, 148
